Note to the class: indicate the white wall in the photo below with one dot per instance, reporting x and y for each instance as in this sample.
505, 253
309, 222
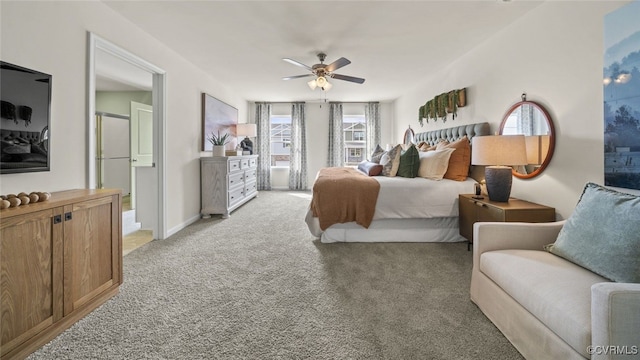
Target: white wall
51, 36
554, 54
317, 121
119, 102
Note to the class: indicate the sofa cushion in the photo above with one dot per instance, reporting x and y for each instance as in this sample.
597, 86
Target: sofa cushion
602, 234
554, 290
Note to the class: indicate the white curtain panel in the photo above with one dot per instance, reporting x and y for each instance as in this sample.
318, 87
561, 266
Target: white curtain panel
372, 120
298, 157
336, 141
263, 140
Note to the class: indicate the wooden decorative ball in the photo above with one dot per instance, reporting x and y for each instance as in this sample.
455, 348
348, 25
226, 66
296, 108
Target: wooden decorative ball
4, 204
24, 200
34, 197
14, 201
44, 196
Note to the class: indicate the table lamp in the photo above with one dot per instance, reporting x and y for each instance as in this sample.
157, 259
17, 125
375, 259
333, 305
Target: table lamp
498, 153
246, 130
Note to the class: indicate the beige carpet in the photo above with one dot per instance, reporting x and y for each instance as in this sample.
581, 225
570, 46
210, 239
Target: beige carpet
259, 286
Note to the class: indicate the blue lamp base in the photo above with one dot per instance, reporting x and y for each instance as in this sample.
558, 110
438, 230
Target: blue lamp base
499, 181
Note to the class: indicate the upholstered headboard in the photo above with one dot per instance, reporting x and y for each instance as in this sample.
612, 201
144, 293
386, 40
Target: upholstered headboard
453, 133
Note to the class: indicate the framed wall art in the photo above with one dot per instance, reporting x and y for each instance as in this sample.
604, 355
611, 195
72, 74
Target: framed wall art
621, 81
25, 95
218, 118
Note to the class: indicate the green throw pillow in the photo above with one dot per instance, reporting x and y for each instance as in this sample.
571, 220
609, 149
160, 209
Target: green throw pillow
409, 163
603, 234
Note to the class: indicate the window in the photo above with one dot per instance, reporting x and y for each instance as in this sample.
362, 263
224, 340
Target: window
280, 140
355, 131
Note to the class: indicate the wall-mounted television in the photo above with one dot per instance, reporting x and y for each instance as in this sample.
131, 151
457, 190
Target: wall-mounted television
25, 119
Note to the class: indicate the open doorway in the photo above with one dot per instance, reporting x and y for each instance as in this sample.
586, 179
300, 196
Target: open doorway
121, 83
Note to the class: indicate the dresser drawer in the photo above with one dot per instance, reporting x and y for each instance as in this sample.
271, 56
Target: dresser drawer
244, 164
253, 162
488, 213
250, 188
234, 165
236, 195
250, 175
236, 179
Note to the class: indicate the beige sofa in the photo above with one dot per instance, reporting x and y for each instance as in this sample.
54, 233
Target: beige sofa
548, 307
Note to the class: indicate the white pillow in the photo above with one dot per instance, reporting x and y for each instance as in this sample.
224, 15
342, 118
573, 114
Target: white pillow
434, 164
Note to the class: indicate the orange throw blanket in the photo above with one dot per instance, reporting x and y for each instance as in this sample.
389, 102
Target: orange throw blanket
342, 194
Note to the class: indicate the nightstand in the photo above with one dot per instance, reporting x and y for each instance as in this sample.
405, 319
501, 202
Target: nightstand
473, 210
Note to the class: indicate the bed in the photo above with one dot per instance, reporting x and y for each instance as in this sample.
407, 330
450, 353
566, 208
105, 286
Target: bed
22, 149
409, 209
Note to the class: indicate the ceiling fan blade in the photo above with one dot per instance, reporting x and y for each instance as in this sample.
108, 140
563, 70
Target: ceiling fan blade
348, 78
297, 63
337, 64
296, 76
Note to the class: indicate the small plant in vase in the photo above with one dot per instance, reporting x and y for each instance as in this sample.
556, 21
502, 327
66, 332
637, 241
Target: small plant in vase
218, 141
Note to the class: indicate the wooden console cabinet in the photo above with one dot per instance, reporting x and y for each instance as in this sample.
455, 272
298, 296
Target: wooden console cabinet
515, 210
227, 182
60, 259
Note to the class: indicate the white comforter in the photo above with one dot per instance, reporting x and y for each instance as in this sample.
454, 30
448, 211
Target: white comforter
417, 198
403, 198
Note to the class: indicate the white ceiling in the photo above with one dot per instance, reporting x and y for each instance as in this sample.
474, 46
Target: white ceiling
392, 44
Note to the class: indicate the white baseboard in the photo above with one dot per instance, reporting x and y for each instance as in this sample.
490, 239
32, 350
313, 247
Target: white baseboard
179, 227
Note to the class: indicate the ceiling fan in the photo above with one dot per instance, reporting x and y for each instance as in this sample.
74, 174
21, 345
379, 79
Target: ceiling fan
322, 71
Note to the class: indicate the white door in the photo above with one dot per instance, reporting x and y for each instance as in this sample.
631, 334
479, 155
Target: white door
141, 135
141, 141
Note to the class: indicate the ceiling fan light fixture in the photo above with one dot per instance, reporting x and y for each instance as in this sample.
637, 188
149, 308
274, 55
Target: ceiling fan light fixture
312, 84
321, 81
326, 86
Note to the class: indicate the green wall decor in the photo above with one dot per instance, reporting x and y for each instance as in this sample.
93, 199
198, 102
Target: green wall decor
441, 105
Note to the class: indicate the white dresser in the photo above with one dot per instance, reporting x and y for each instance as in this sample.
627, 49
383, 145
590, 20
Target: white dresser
226, 183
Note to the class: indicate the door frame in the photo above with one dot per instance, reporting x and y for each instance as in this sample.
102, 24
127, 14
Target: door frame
159, 121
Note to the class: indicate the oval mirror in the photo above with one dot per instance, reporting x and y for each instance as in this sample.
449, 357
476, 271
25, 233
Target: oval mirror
409, 135
532, 120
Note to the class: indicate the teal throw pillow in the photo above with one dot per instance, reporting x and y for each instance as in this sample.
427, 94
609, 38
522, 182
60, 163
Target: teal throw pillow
409, 163
603, 234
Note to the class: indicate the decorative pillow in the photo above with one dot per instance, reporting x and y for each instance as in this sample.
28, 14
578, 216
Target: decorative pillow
423, 146
390, 161
602, 234
370, 168
377, 154
409, 163
434, 164
460, 159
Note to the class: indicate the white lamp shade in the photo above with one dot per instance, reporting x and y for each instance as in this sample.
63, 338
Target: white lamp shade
312, 84
498, 150
321, 81
248, 130
327, 86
